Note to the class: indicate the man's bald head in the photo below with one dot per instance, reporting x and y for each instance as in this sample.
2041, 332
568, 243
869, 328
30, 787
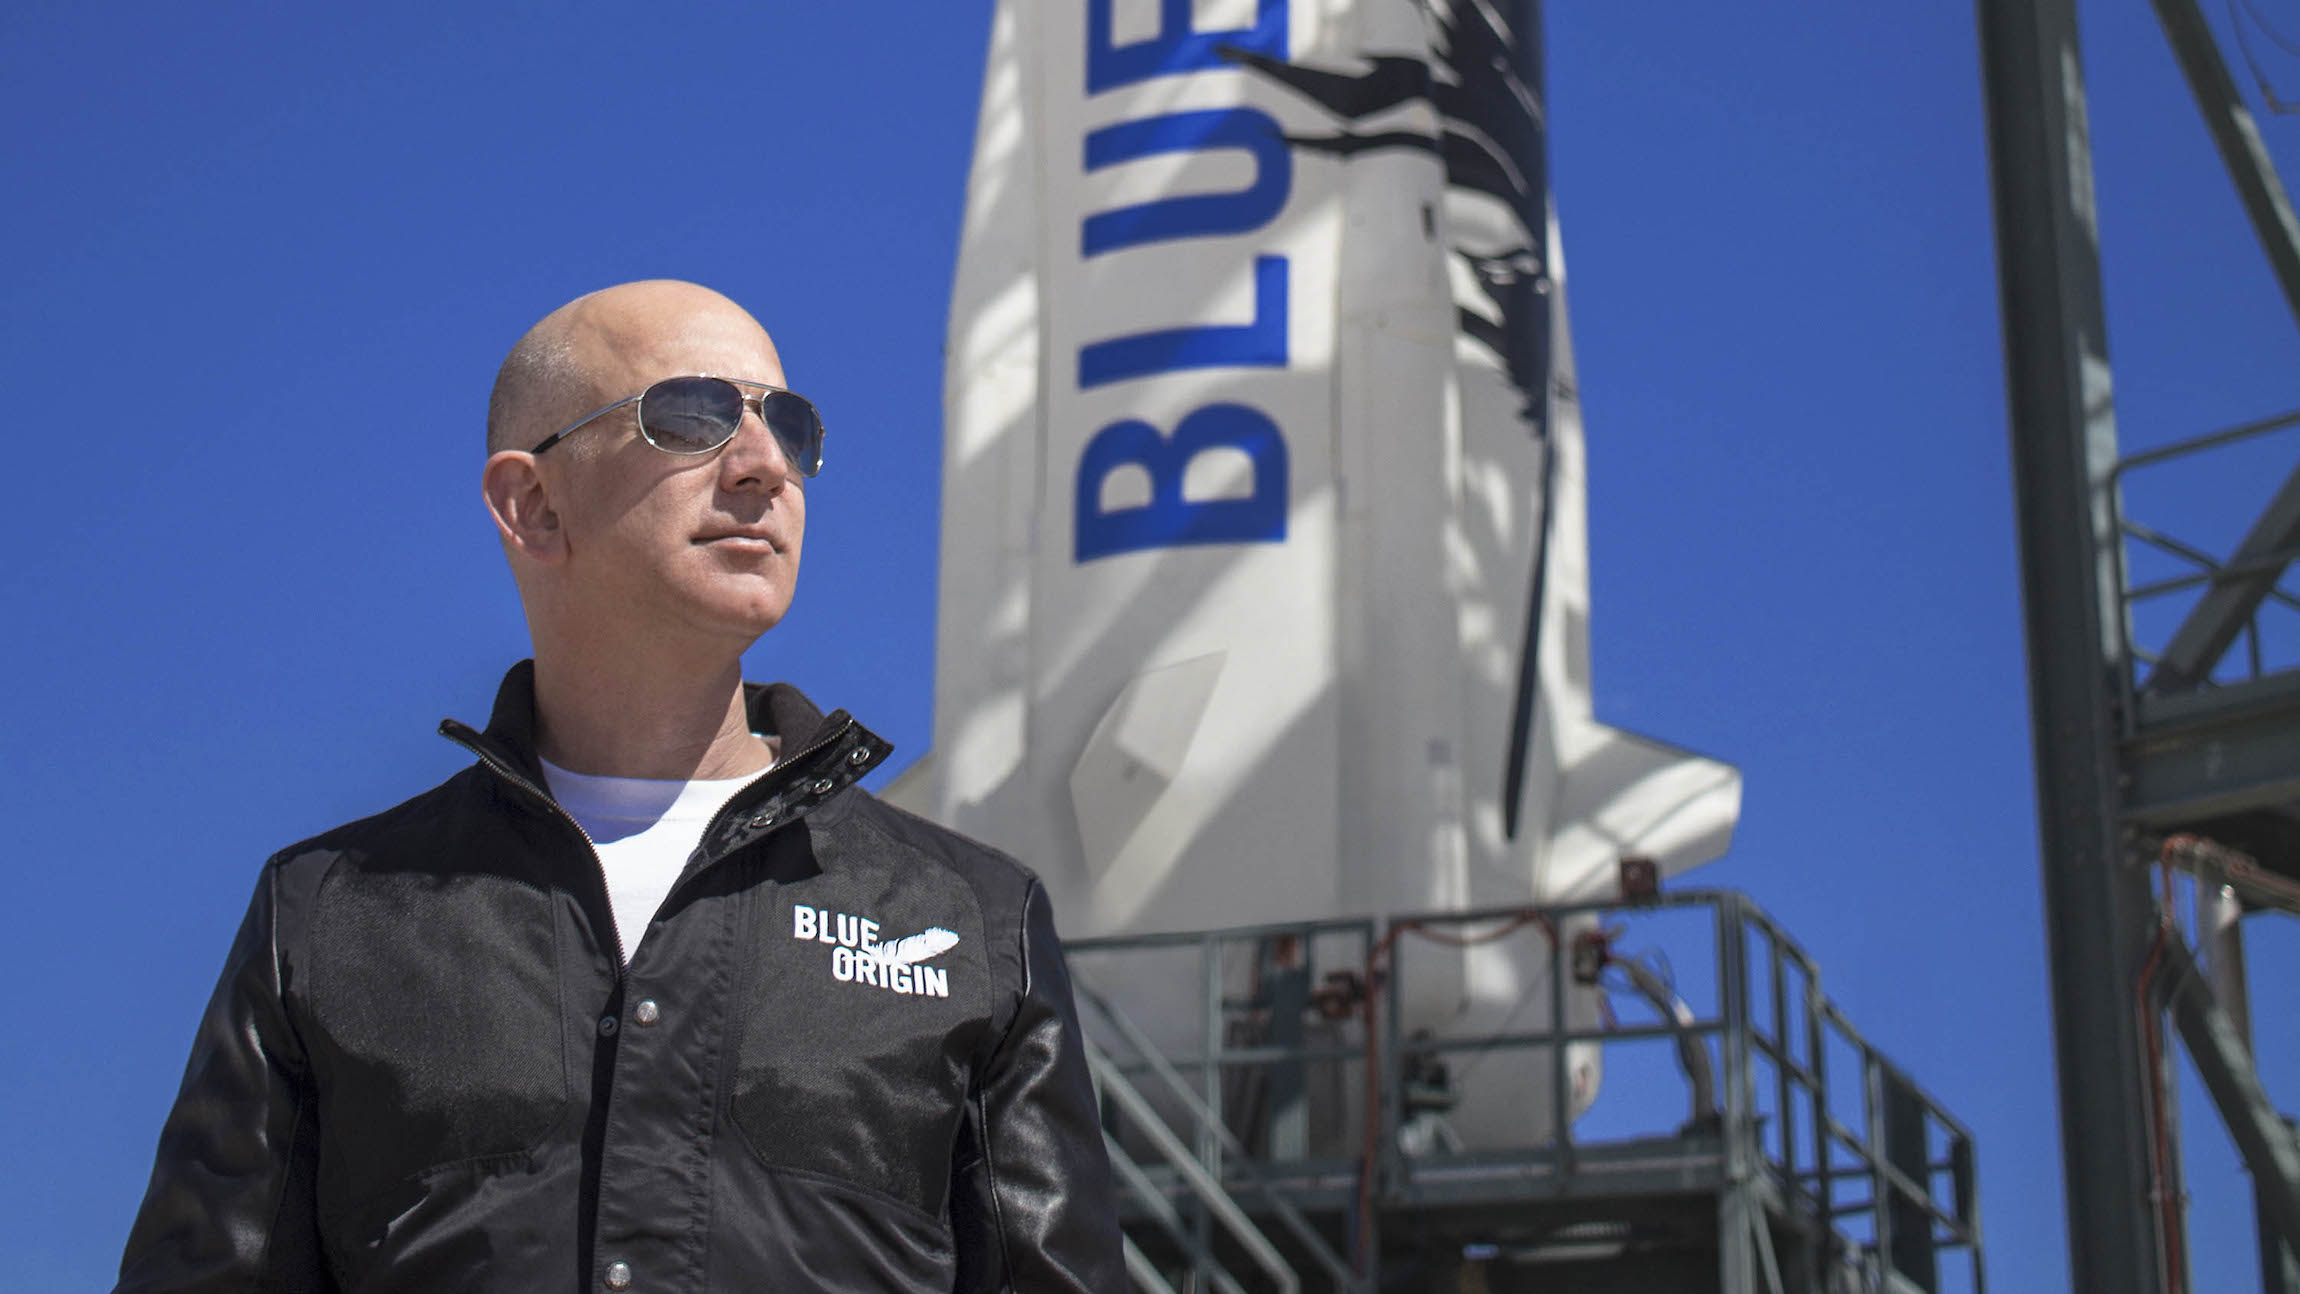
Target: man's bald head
616, 545
583, 354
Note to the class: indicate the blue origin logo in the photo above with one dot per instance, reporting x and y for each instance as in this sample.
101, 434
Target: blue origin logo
1169, 520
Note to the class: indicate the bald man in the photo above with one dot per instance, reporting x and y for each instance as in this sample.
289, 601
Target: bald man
653, 996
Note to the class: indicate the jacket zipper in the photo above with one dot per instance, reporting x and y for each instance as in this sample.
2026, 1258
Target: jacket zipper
513, 776
711, 828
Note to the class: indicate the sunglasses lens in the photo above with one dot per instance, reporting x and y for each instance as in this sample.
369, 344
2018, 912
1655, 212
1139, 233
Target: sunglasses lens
690, 415
797, 427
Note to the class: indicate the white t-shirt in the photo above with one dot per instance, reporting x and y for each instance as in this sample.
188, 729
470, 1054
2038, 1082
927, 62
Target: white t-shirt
645, 830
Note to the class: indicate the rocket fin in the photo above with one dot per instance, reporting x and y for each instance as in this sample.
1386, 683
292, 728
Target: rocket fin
1136, 752
1625, 794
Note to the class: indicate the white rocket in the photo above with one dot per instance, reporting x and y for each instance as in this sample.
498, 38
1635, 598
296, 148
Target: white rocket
1264, 582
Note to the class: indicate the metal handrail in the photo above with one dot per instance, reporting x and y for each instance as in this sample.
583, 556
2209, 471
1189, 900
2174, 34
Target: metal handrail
1114, 1086
2214, 571
1143, 1272
1205, 1120
1131, 1176
1804, 1155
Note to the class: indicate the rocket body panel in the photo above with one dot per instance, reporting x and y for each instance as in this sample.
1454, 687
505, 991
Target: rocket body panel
992, 445
1264, 573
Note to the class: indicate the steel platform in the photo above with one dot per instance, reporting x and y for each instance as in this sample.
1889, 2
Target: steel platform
1239, 1177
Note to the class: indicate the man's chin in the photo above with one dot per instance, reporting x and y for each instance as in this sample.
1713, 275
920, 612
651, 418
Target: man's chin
748, 618
724, 608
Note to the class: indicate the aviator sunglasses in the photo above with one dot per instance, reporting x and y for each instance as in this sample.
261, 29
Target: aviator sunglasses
695, 415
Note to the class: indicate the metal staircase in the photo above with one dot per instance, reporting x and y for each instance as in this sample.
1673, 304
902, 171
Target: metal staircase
1204, 1189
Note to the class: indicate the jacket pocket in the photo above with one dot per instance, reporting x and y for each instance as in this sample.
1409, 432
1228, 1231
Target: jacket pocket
824, 1235
440, 1035
853, 1064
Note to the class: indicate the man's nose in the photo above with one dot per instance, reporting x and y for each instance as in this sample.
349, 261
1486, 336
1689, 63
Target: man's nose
753, 459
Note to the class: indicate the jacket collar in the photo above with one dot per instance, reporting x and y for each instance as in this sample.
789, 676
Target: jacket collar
821, 754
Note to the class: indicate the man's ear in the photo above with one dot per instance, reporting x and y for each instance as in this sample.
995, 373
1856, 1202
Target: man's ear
520, 502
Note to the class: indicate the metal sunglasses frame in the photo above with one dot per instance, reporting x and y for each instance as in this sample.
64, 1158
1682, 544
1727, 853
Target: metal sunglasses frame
755, 400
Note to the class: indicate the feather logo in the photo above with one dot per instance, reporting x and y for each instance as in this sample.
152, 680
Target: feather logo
912, 949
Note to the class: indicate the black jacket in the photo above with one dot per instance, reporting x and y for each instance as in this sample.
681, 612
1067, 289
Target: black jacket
425, 1067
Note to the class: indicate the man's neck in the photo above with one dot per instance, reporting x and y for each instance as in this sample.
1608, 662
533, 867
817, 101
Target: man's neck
657, 721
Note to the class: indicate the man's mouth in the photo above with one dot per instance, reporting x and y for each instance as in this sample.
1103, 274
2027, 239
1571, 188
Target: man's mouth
758, 540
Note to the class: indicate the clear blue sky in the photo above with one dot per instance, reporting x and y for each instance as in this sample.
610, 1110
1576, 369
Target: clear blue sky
262, 261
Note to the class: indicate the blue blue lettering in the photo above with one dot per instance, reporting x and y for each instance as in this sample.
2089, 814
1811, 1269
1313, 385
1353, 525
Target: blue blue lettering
1176, 48
1201, 214
1260, 344
1169, 520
